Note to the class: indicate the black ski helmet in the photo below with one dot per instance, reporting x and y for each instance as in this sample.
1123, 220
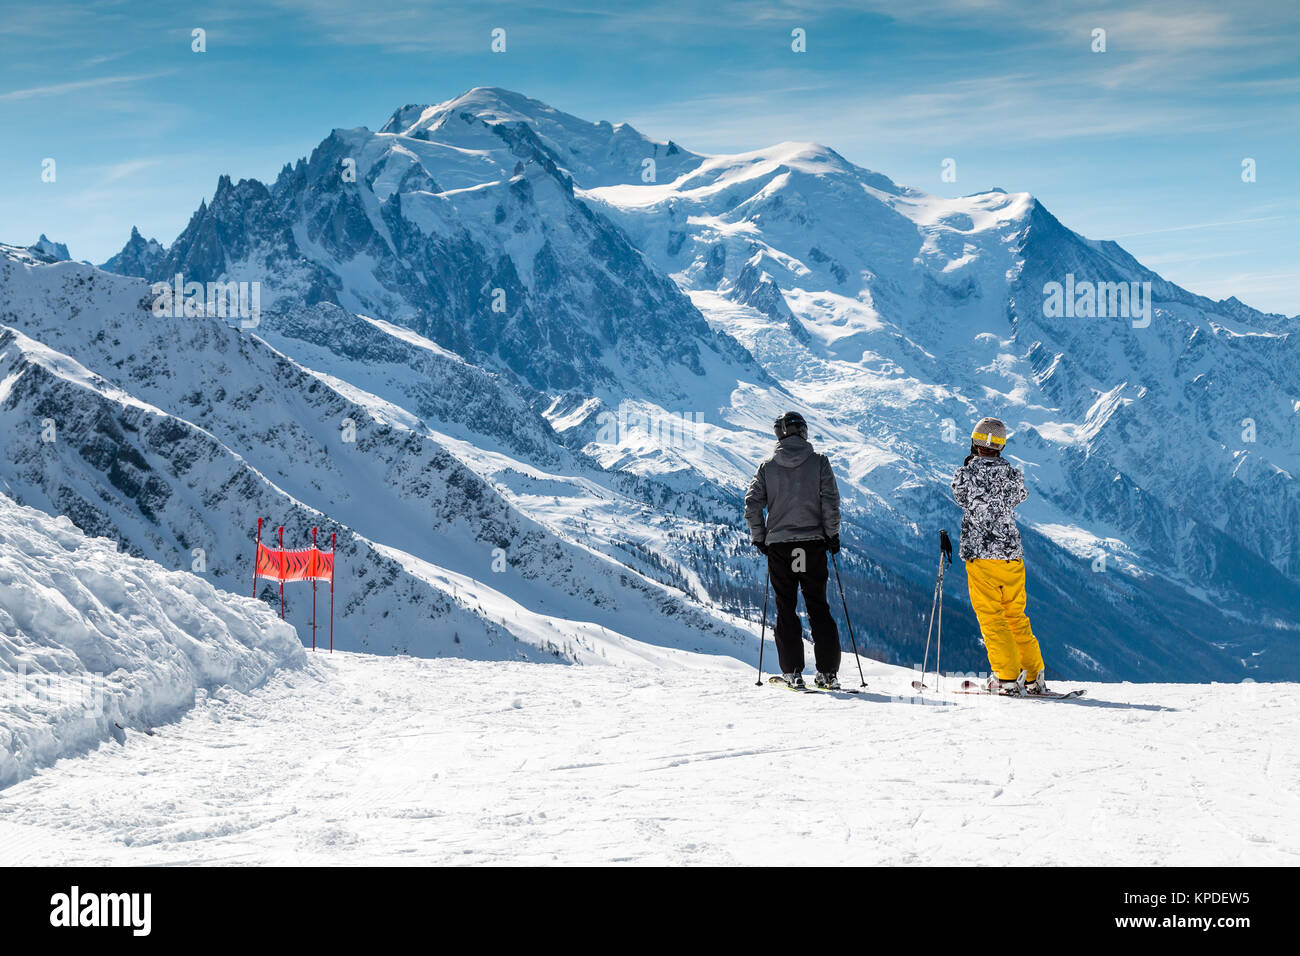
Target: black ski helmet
791, 423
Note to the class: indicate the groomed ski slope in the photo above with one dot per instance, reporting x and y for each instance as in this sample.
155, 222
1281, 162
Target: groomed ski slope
359, 759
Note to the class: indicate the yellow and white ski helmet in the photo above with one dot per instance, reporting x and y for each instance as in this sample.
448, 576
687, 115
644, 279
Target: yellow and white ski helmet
990, 433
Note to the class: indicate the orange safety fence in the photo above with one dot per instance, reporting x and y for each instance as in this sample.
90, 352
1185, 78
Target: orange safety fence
300, 564
304, 564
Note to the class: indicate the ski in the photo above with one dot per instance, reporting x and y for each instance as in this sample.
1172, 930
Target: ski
780, 682
810, 689
974, 687
924, 688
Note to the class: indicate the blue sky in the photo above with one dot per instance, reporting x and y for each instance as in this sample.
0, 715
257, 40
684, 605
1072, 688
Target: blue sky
1142, 143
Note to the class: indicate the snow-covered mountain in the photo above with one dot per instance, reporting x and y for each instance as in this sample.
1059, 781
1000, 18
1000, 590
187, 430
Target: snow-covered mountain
492, 280
55, 250
172, 435
912, 315
139, 257
495, 258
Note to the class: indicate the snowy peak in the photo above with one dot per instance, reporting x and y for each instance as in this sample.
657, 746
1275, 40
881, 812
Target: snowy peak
464, 227
140, 257
47, 250
490, 104
592, 154
865, 252
783, 159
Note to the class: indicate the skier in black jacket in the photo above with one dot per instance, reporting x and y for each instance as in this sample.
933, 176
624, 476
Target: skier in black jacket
797, 488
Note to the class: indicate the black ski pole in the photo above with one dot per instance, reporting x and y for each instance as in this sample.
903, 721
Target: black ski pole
945, 551
938, 653
847, 620
762, 634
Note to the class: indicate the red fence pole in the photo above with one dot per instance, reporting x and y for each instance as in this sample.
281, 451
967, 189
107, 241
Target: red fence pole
333, 568
257, 553
313, 588
282, 570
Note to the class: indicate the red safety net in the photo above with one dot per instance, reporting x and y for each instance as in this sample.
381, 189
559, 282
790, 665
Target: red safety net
300, 564
305, 564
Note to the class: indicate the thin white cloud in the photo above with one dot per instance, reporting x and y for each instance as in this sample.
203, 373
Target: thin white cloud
1198, 225
127, 168
76, 86
1157, 260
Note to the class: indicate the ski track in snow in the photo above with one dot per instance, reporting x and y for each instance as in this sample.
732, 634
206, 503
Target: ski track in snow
392, 760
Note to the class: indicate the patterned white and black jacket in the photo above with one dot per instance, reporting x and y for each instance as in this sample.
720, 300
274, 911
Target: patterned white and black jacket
989, 489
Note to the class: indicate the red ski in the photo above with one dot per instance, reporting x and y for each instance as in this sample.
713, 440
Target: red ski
974, 687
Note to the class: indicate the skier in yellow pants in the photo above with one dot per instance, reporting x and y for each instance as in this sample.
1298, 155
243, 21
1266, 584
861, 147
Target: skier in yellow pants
997, 592
989, 489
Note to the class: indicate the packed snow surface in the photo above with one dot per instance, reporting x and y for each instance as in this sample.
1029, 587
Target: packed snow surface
95, 644
397, 760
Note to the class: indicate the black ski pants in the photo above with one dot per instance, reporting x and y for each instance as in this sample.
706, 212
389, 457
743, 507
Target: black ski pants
794, 566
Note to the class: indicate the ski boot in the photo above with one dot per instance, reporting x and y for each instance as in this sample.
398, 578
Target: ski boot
1037, 686
827, 681
1007, 688
794, 680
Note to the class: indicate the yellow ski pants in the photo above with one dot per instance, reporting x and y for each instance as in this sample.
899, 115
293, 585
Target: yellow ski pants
997, 592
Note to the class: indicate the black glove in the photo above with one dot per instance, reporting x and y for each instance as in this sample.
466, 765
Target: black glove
762, 548
945, 545
833, 544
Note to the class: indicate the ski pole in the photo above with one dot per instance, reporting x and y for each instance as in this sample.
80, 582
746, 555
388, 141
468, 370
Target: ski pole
762, 634
945, 551
929, 631
938, 651
847, 620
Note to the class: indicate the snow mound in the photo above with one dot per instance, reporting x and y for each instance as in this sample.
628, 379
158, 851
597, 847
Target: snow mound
94, 642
